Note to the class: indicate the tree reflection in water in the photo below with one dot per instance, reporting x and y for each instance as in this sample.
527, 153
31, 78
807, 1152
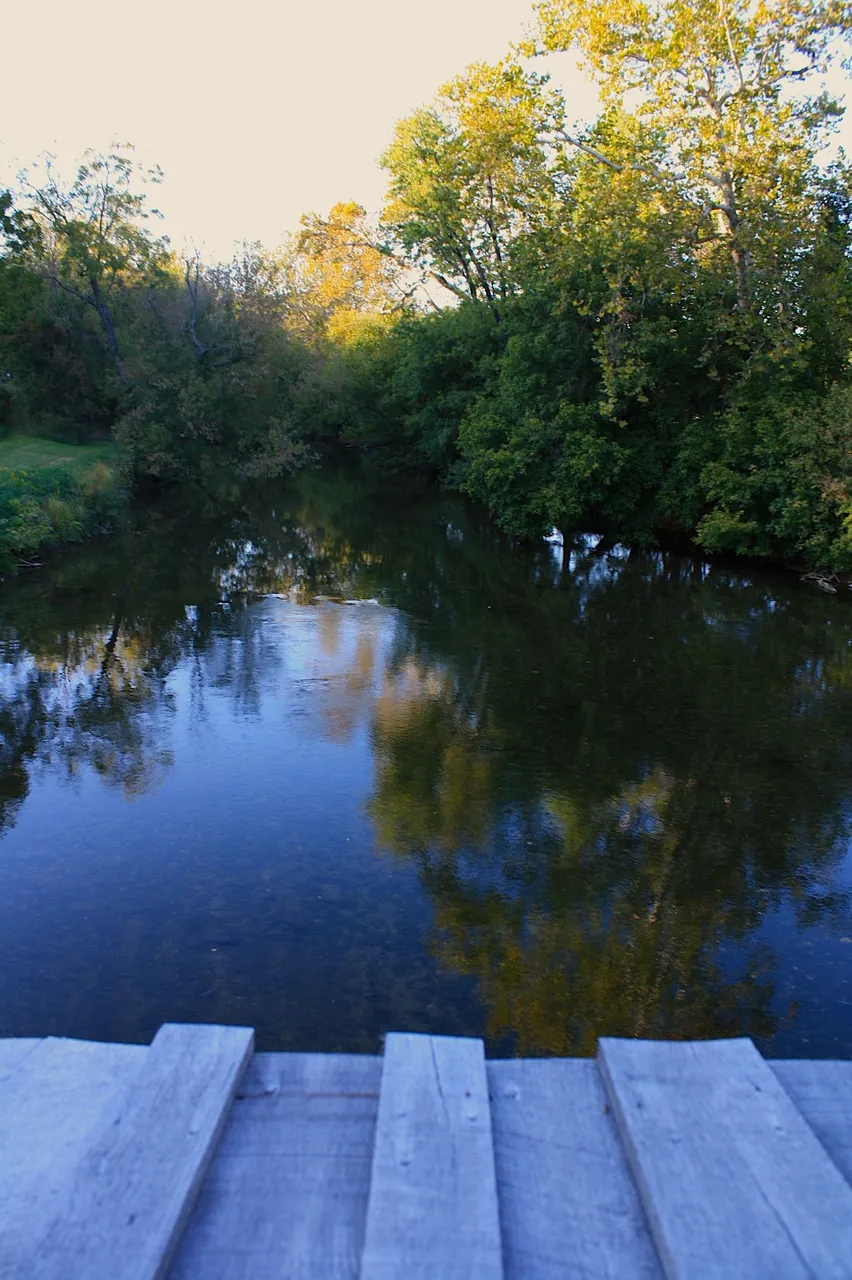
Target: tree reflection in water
608, 774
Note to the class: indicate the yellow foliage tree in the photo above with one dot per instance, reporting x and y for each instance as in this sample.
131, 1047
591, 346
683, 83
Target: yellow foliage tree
725, 86
349, 281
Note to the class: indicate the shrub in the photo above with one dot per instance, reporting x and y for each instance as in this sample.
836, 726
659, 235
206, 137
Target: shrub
782, 483
54, 504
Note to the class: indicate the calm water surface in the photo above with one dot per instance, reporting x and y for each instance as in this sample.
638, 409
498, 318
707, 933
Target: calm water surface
329, 759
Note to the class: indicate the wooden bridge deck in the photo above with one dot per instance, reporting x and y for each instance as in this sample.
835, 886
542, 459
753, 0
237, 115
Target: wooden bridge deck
194, 1159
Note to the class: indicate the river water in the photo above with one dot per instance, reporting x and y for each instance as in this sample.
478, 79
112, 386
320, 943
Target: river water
334, 757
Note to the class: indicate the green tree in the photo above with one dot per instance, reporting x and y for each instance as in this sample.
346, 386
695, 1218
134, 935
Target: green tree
52, 368
469, 175
726, 84
217, 370
90, 239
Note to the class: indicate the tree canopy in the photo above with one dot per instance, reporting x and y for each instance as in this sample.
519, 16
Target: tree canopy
469, 175
726, 87
641, 324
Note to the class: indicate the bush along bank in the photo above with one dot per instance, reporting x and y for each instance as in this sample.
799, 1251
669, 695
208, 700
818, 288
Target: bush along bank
47, 506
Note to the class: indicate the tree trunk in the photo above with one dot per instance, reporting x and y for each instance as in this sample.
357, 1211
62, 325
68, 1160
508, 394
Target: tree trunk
106, 320
495, 240
730, 226
741, 259
192, 290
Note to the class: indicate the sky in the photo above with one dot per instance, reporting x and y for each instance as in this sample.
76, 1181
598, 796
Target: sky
257, 112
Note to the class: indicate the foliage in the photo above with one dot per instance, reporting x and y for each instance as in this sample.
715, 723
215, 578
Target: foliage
53, 371
54, 503
710, 77
103, 329
783, 481
89, 241
469, 175
671, 286
642, 325
426, 371
217, 373
347, 276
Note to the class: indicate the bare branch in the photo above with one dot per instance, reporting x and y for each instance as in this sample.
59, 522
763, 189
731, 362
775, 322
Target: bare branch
192, 268
723, 14
561, 136
652, 171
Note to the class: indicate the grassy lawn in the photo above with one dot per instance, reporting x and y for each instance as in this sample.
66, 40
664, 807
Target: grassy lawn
28, 452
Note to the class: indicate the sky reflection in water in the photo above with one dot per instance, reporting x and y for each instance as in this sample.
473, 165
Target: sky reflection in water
535, 795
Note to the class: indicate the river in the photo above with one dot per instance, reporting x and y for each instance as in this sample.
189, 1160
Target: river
335, 756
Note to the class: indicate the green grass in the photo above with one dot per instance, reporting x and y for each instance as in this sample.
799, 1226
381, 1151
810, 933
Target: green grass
20, 453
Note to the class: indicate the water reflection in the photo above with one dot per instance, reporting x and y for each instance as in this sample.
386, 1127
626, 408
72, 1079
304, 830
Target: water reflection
609, 792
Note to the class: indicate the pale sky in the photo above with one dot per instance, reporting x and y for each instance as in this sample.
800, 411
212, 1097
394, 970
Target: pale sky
256, 112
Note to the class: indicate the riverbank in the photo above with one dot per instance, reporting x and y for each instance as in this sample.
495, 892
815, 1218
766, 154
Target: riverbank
52, 492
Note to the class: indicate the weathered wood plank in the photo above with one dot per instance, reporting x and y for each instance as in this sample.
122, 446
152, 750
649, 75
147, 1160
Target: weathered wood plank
822, 1090
433, 1199
123, 1207
52, 1105
286, 1194
568, 1203
12, 1053
733, 1180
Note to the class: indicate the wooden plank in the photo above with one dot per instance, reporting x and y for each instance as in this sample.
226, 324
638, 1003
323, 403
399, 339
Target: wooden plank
286, 1194
433, 1198
52, 1105
822, 1090
122, 1209
12, 1053
733, 1180
568, 1203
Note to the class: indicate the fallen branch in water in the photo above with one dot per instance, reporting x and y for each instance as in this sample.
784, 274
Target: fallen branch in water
825, 581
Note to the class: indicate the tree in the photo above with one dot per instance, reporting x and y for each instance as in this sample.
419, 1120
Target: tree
90, 242
18, 231
216, 369
726, 84
469, 175
347, 272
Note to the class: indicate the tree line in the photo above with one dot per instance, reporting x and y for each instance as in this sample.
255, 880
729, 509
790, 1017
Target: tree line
641, 325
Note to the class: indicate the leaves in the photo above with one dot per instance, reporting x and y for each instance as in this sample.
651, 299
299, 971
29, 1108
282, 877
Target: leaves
470, 175
725, 83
